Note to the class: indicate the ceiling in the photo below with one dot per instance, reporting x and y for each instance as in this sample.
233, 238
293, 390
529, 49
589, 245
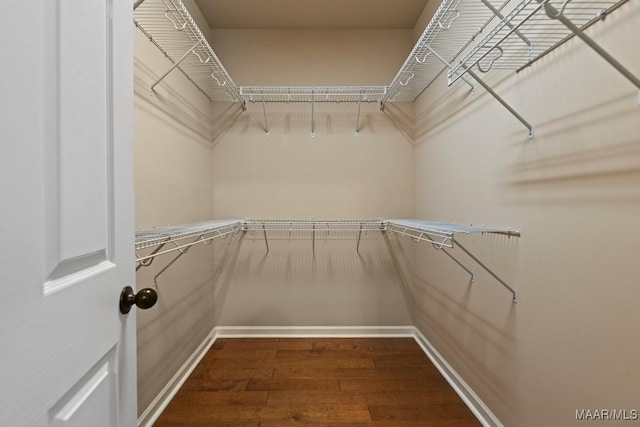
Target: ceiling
312, 14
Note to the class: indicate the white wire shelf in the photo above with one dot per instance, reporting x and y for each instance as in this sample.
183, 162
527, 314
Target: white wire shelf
175, 236
313, 93
527, 32
297, 229
442, 236
451, 30
168, 24
326, 225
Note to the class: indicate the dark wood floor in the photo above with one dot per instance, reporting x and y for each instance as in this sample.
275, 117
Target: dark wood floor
316, 382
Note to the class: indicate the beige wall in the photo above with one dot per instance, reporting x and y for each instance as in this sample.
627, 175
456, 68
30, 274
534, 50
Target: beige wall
333, 175
173, 184
311, 57
574, 192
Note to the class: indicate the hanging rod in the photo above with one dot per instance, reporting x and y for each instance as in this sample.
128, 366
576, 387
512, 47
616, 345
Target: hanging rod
168, 24
442, 235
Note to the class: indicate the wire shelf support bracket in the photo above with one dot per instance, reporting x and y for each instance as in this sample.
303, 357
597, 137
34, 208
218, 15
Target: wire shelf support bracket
553, 13
453, 27
525, 34
175, 236
168, 24
442, 237
313, 95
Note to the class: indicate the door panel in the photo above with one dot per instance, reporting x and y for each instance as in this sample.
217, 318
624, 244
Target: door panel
67, 355
96, 390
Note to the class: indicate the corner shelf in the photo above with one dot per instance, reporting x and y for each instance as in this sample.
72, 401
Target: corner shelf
175, 236
442, 235
169, 26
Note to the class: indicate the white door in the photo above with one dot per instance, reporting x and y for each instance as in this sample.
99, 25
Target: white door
67, 355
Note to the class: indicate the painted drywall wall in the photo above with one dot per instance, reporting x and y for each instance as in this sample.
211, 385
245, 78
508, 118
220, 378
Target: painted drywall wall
311, 57
574, 193
332, 174
174, 185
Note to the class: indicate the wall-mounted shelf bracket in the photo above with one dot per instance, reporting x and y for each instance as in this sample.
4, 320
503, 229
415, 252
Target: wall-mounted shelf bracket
174, 66
442, 235
358, 117
264, 111
158, 238
553, 13
137, 3
501, 101
488, 270
313, 117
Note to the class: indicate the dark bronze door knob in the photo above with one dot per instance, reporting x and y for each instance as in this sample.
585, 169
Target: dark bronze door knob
144, 299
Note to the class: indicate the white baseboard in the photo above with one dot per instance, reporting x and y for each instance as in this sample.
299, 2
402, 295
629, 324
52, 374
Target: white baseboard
313, 331
468, 396
466, 393
155, 408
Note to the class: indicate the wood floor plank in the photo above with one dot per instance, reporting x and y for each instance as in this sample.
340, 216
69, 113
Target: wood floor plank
204, 399
232, 364
238, 373
279, 344
204, 384
412, 397
343, 354
288, 384
338, 373
307, 397
242, 354
391, 384
316, 413
435, 411
418, 360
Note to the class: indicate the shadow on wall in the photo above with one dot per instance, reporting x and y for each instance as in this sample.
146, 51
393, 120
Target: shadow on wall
325, 118
223, 118
401, 115
579, 160
291, 285
444, 306
169, 105
191, 294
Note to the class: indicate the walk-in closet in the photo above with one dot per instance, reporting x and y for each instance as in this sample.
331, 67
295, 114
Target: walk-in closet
320, 212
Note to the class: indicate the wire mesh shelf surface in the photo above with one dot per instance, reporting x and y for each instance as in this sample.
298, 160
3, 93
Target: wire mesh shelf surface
313, 93
448, 228
326, 227
151, 237
451, 30
527, 32
168, 24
